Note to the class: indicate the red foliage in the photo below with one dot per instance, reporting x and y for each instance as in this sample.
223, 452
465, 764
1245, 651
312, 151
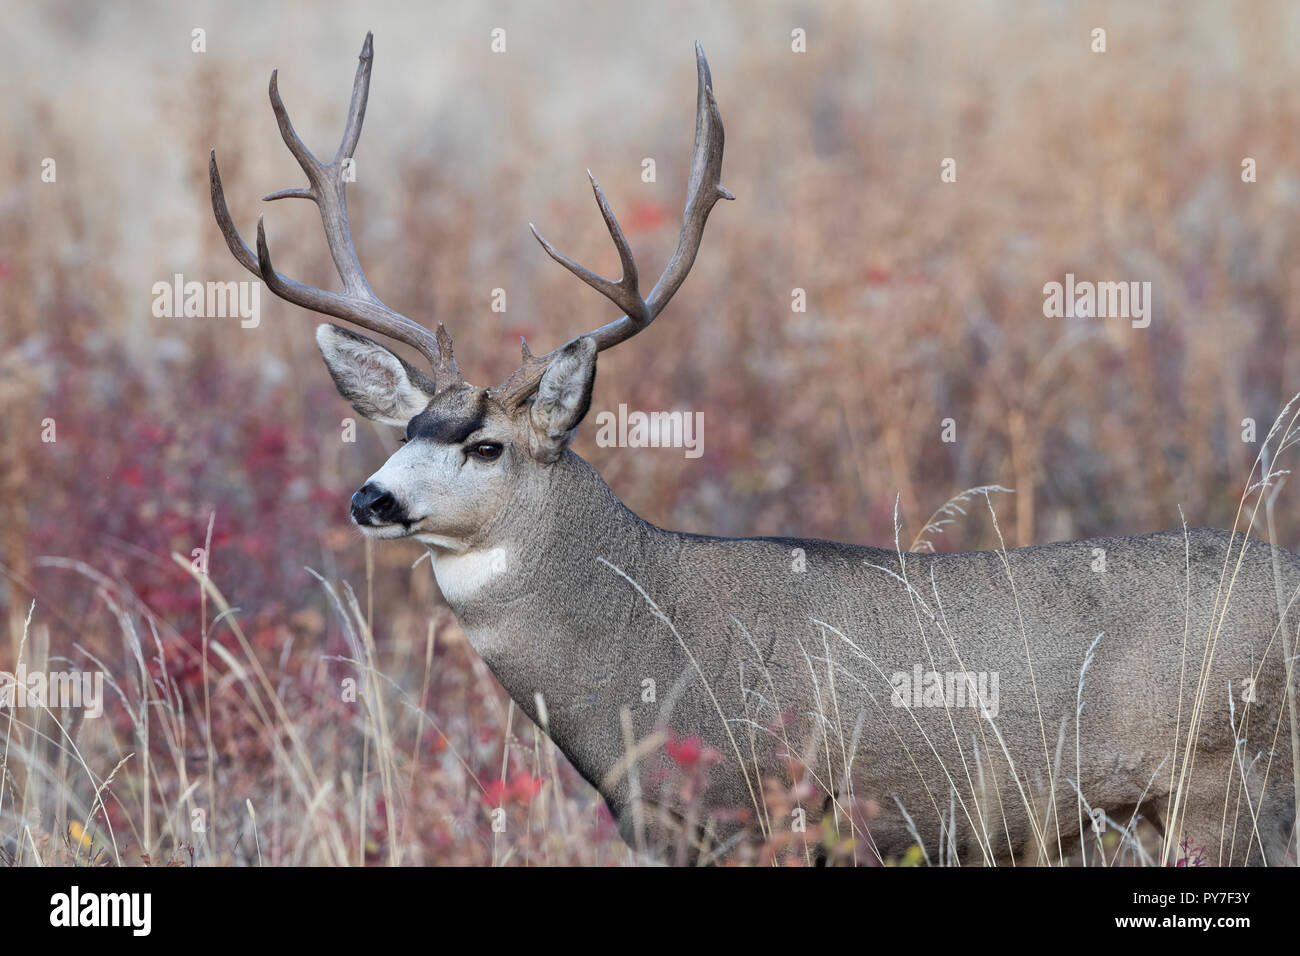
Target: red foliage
520, 791
690, 752
645, 215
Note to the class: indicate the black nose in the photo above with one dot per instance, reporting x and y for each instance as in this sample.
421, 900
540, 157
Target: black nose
373, 505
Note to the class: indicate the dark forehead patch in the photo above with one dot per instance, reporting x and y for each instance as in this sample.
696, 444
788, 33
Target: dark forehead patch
450, 423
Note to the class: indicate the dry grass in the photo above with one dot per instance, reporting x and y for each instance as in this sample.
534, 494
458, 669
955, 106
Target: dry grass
925, 303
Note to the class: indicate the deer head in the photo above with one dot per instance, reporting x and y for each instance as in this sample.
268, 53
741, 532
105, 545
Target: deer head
468, 450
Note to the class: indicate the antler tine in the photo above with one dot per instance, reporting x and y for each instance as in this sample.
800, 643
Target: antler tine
357, 105
704, 187
234, 241
703, 190
327, 188
625, 293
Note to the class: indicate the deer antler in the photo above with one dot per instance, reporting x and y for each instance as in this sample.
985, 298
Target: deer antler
703, 190
357, 303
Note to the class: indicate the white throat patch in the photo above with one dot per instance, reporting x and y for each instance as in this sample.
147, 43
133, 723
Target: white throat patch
462, 576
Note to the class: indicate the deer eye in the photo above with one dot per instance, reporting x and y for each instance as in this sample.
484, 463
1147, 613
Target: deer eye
486, 451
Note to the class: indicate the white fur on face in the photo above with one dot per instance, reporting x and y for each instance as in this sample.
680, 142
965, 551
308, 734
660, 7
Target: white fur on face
407, 475
383, 530
446, 500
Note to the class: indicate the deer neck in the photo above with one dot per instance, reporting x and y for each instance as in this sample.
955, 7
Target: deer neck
536, 596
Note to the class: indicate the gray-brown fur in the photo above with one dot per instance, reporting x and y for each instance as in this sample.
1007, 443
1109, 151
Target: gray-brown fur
569, 595
570, 626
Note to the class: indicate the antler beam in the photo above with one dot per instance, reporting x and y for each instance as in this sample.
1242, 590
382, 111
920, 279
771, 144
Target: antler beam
326, 187
703, 190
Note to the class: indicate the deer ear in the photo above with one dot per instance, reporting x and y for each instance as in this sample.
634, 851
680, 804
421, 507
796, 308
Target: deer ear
380, 385
562, 399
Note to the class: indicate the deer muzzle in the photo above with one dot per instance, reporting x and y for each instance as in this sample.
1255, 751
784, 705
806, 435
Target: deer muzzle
375, 505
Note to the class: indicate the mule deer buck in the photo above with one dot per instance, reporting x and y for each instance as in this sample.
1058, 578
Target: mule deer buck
994, 705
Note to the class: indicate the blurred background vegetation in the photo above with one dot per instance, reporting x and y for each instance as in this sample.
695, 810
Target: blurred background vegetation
924, 303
